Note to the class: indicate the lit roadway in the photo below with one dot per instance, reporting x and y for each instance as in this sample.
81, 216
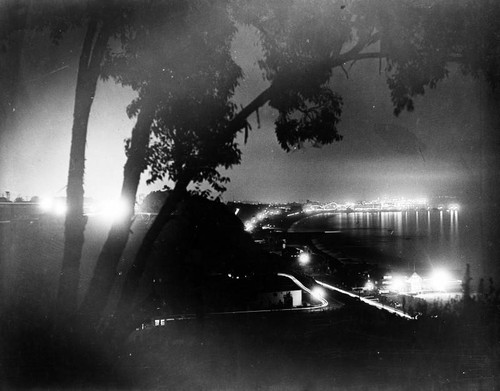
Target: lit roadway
322, 305
331, 303
367, 301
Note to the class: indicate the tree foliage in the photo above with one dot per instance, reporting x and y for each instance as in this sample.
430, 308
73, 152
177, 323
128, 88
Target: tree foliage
180, 55
415, 42
299, 40
303, 41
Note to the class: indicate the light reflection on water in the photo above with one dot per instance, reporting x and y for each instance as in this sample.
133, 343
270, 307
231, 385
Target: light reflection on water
401, 240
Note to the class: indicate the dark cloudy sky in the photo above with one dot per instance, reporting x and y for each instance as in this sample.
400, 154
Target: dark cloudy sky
434, 150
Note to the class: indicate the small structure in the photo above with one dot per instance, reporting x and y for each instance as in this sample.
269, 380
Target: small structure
415, 282
279, 299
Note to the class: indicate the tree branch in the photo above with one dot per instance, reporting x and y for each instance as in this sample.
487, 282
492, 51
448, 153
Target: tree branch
239, 121
356, 49
345, 72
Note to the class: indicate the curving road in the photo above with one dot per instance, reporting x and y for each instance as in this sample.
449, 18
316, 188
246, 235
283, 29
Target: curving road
367, 301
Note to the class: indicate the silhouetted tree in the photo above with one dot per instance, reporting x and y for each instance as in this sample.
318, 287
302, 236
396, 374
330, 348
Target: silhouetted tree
480, 289
304, 42
153, 201
181, 66
203, 238
193, 151
466, 283
98, 32
55, 19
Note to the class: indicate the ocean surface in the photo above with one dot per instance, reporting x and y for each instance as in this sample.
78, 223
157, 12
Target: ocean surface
403, 241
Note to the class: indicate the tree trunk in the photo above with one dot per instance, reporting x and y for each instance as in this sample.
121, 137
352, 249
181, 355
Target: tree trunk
133, 277
139, 265
93, 49
123, 321
105, 270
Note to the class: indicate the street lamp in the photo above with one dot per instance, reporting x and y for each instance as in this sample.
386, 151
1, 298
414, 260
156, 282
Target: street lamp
304, 258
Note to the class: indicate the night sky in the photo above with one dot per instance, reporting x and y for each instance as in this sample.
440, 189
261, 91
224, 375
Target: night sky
433, 151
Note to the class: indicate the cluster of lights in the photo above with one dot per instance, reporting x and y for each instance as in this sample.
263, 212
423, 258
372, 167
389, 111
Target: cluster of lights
440, 280
250, 224
377, 205
235, 276
403, 203
110, 210
55, 206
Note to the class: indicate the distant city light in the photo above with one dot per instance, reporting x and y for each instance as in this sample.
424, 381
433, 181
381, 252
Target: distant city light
304, 258
369, 286
377, 205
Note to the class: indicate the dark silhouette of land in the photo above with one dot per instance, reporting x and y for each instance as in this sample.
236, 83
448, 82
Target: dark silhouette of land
449, 346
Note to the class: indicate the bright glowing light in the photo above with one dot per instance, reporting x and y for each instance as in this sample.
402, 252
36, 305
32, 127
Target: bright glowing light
453, 207
398, 284
46, 204
304, 258
440, 280
59, 208
318, 292
369, 286
114, 209
55, 206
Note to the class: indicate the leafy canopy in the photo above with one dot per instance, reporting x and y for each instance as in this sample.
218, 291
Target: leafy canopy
180, 55
177, 56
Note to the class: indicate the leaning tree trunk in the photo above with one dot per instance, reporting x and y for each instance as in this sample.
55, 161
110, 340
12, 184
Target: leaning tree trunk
93, 49
103, 278
123, 319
